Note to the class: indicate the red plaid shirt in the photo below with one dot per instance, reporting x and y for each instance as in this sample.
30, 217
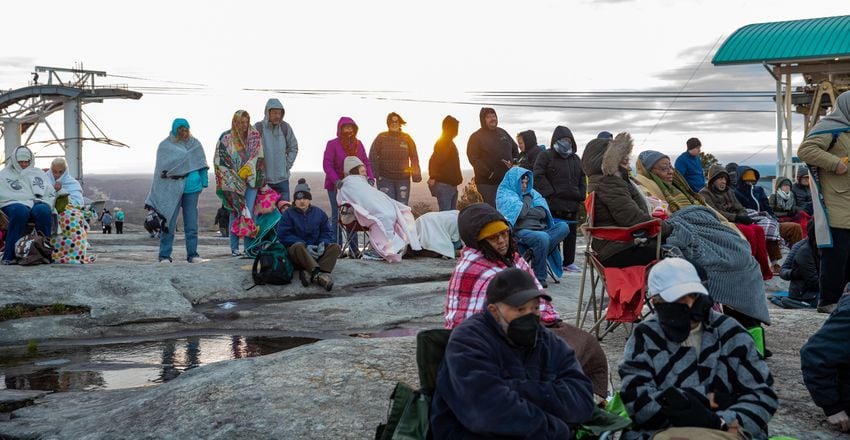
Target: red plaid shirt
467, 294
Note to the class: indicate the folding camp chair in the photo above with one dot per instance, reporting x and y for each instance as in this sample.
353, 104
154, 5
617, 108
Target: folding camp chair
596, 272
355, 237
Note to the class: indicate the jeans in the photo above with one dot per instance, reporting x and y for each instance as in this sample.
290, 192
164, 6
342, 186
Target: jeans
834, 267
446, 196
335, 222
398, 190
488, 193
189, 205
282, 188
19, 215
542, 243
250, 198
570, 241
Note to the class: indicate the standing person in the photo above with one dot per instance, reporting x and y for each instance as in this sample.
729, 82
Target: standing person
280, 147
689, 165
528, 149
394, 160
827, 147
444, 167
24, 197
491, 151
106, 222
180, 174
337, 149
119, 221
559, 178
239, 173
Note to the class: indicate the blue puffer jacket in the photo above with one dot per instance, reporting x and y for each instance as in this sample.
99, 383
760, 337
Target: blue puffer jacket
752, 197
690, 167
487, 388
825, 361
509, 196
309, 227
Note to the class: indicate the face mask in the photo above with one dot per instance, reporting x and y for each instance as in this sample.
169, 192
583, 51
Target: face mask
564, 147
522, 331
675, 320
701, 309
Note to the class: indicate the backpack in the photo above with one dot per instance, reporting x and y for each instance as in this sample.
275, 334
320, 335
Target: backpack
34, 248
272, 265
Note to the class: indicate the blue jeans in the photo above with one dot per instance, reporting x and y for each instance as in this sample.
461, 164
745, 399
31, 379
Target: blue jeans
398, 190
335, 222
282, 188
542, 243
250, 198
446, 196
189, 205
19, 215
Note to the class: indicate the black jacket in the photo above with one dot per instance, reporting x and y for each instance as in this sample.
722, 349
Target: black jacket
801, 269
532, 151
560, 179
444, 165
752, 197
486, 149
825, 360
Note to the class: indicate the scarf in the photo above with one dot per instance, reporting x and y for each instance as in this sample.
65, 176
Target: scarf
233, 153
349, 145
784, 200
676, 197
838, 119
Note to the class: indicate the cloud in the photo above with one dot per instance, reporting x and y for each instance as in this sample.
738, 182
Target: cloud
16, 63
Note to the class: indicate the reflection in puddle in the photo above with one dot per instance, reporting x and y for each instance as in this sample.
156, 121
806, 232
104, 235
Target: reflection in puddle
127, 365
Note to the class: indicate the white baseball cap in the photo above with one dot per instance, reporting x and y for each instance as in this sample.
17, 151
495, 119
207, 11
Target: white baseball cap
673, 278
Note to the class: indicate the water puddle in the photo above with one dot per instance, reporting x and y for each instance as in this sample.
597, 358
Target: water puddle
128, 364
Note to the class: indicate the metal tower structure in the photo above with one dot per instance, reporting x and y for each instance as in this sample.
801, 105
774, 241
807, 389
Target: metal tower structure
23, 110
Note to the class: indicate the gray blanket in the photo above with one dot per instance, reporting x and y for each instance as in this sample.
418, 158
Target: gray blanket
734, 277
176, 159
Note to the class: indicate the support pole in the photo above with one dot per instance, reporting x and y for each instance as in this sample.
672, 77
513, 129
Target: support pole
73, 144
11, 137
780, 117
789, 153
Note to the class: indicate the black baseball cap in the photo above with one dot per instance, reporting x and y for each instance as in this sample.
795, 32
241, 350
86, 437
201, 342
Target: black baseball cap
513, 287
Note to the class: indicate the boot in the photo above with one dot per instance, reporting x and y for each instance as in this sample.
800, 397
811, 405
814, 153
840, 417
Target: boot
302, 274
325, 280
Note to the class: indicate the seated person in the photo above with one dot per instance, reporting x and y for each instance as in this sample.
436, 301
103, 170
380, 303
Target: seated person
802, 269
155, 223
505, 376
63, 183
24, 196
802, 192
532, 222
309, 239
617, 201
719, 195
390, 223
755, 200
438, 233
489, 249
783, 202
731, 398
825, 361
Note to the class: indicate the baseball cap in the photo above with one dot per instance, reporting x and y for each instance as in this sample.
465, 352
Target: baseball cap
513, 287
673, 278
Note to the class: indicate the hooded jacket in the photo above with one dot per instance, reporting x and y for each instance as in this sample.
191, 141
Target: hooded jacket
486, 149
802, 194
560, 179
617, 201
510, 197
444, 165
801, 269
335, 155
528, 158
280, 147
752, 196
777, 207
24, 186
724, 202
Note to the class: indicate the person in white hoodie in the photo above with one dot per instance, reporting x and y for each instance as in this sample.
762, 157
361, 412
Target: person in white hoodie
280, 147
24, 196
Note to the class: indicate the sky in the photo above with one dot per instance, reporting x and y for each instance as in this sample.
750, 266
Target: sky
204, 60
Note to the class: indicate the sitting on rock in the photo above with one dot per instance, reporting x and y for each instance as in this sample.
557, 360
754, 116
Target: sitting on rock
309, 239
24, 197
504, 375
801, 268
489, 249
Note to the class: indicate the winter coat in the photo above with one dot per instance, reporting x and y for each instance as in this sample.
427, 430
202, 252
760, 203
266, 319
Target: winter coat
825, 361
727, 363
617, 201
486, 149
752, 197
835, 189
280, 147
106, 220
444, 165
393, 156
509, 197
773, 200
528, 158
487, 387
560, 179
690, 167
724, 202
309, 226
801, 269
335, 156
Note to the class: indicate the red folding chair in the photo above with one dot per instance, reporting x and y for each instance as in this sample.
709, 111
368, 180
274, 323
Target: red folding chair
599, 274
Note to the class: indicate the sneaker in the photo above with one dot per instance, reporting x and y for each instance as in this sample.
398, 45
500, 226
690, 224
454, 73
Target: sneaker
544, 284
325, 280
302, 275
572, 268
828, 308
9, 262
165, 260
371, 255
235, 254
198, 260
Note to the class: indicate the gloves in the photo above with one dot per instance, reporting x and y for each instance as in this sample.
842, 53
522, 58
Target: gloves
688, 408
743, 219
840, 421
245, 171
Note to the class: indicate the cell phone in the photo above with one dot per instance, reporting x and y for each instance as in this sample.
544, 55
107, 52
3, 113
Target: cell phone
673, 398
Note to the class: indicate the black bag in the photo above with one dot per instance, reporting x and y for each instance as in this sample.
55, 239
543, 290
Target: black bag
272, 265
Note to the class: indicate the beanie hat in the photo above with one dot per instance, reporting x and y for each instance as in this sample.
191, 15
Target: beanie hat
514, 287
649, 158
23, 154
693, 143
748, 175
350, 163
802, 172
302, 190
604, 135
492, 228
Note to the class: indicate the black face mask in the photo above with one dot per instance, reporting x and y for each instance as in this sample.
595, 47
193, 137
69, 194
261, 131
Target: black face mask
523, 330
675, 318
701, 309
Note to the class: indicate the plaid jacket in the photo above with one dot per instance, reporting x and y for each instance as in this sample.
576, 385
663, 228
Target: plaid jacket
467, 294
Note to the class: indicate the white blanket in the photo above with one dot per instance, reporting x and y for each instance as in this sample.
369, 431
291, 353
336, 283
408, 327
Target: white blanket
438, 231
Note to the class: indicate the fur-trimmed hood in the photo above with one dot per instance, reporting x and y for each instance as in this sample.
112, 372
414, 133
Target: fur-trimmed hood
619, 149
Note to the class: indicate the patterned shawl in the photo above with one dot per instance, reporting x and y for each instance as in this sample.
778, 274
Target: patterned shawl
677, 194
232, 154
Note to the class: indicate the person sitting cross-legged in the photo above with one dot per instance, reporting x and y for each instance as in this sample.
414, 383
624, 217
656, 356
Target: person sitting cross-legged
504, 375
309, 238
689, 372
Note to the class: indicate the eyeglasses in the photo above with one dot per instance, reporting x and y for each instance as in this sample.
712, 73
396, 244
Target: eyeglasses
663, 168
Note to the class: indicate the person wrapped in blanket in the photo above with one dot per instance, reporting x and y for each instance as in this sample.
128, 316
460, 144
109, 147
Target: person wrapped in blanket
24, 196
70, 243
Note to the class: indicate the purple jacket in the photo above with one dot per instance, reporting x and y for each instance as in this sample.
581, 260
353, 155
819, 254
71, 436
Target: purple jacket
335, 155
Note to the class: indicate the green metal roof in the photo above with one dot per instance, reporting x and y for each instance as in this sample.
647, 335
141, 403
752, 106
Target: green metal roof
787, 41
